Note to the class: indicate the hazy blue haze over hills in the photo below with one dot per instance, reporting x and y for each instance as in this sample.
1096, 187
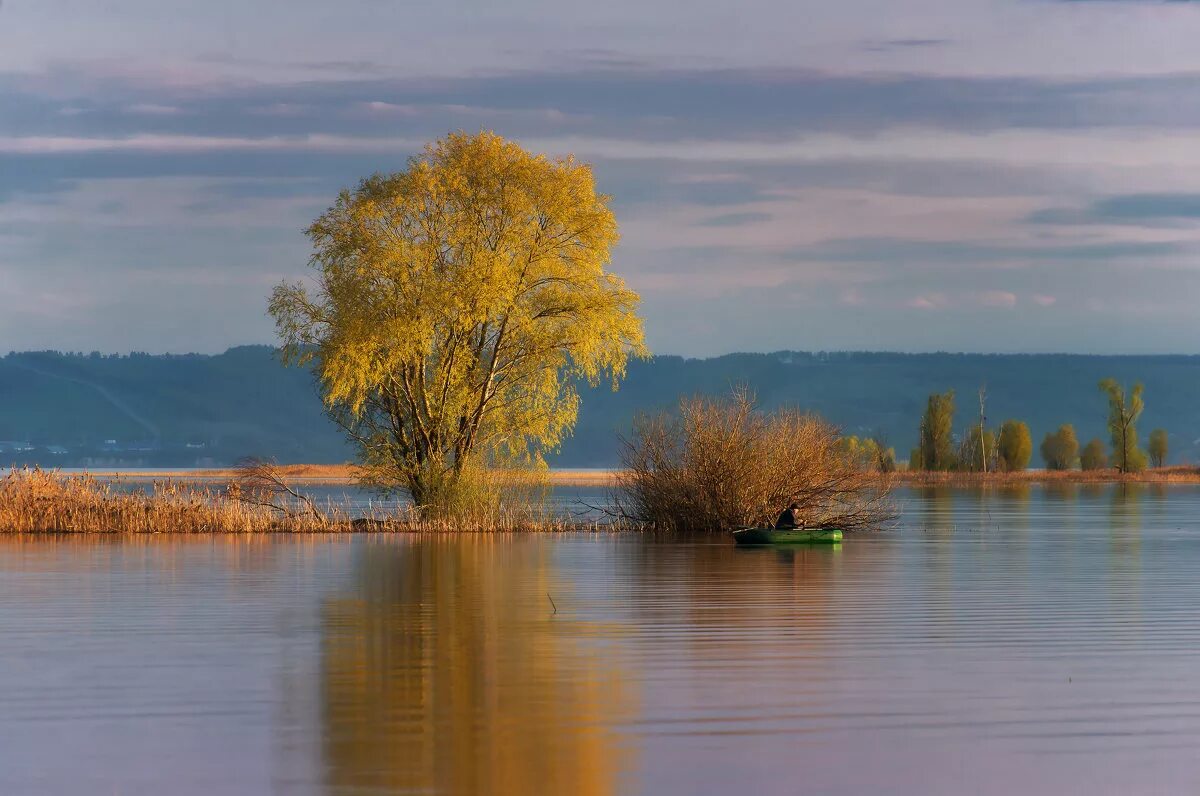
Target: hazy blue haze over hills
189, 409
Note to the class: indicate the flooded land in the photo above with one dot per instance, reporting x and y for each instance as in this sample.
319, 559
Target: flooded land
1035, 638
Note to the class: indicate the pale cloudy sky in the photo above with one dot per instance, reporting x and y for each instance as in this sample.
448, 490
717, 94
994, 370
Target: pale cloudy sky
982, 175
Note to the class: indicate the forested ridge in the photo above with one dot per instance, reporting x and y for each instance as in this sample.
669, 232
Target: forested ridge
185, 409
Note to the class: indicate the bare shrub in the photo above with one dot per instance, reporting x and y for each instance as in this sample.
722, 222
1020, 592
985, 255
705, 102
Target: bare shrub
261, 482
718, 464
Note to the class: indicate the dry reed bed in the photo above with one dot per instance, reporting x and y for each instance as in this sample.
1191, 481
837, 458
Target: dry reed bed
41, 501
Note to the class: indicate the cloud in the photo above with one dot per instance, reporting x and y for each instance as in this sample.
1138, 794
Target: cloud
1150, 209
928, 302
876, 198
966, 252
851, 297
634, 103
997, 298
158, 144
734, 219
889, 45
154, 109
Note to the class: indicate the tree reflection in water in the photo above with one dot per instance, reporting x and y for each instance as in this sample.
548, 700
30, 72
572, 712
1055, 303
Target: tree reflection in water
445, 670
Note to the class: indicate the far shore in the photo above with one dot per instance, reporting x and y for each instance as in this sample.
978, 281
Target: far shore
324, 474
600, 478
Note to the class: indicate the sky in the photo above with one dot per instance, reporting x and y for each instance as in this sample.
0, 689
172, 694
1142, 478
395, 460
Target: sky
926, 175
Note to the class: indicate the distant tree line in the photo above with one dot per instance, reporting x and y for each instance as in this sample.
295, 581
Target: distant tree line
1009, 448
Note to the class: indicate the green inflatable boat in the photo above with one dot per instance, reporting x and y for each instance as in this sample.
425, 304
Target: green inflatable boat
759, 536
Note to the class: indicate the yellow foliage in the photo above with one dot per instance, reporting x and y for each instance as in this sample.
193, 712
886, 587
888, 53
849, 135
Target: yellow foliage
457, 303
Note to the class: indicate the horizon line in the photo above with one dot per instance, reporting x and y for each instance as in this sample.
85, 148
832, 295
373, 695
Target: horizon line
779, 352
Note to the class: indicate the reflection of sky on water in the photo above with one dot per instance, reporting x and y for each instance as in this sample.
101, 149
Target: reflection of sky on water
999, 641
563, 500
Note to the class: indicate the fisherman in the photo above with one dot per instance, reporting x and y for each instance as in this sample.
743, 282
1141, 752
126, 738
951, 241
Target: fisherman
789, 518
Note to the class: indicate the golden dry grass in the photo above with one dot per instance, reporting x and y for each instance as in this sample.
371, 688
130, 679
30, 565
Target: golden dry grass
40, 501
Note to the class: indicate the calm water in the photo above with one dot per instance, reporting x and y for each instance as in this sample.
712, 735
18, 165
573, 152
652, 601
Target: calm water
1028, 641
576, 501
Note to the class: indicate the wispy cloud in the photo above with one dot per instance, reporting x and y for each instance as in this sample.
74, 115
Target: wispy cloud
760, 105
910, 180
734, 219
1151, 209
887, 45
917, 252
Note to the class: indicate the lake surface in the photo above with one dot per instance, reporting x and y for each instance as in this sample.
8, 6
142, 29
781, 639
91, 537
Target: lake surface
1024, 641
564, 501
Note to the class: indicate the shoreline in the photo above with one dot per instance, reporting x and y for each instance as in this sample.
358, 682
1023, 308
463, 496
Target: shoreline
343, 474
46, 501
335, 474
1180, 474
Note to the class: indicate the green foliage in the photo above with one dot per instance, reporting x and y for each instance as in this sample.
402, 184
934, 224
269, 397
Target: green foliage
458, 305
887, 460
1157, 447
1093, 456
1015, 446
1060, 450
869, 453
936, 438
1123, 412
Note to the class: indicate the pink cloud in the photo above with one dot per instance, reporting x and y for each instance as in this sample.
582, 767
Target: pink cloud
1044, 301
152, 109
851, 297
997, 298
929, 301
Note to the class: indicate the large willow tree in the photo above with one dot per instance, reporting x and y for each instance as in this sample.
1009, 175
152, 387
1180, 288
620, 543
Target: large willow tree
457, 304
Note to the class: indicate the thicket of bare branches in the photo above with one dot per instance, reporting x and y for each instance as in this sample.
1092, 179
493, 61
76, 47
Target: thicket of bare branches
719, 464
262, 483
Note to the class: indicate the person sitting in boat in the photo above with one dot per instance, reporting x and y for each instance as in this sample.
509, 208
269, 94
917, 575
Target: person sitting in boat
789, 518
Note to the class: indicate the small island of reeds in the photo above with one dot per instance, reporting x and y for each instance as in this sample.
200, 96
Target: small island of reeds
43, 501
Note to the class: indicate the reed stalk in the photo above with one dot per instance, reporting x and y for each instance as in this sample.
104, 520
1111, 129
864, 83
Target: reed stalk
33, 500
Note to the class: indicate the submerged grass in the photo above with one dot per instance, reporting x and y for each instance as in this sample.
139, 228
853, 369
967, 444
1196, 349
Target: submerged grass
43, 501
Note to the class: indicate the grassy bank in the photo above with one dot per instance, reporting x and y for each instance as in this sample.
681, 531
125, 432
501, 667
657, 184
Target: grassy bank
38, 501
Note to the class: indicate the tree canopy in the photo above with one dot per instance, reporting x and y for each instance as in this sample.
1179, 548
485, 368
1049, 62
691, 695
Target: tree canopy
1060, 450
1015, 446
935, 446
1123, 412
1093, 457
456, 305
1157, 447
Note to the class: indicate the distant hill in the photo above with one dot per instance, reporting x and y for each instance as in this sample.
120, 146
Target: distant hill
183, 410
